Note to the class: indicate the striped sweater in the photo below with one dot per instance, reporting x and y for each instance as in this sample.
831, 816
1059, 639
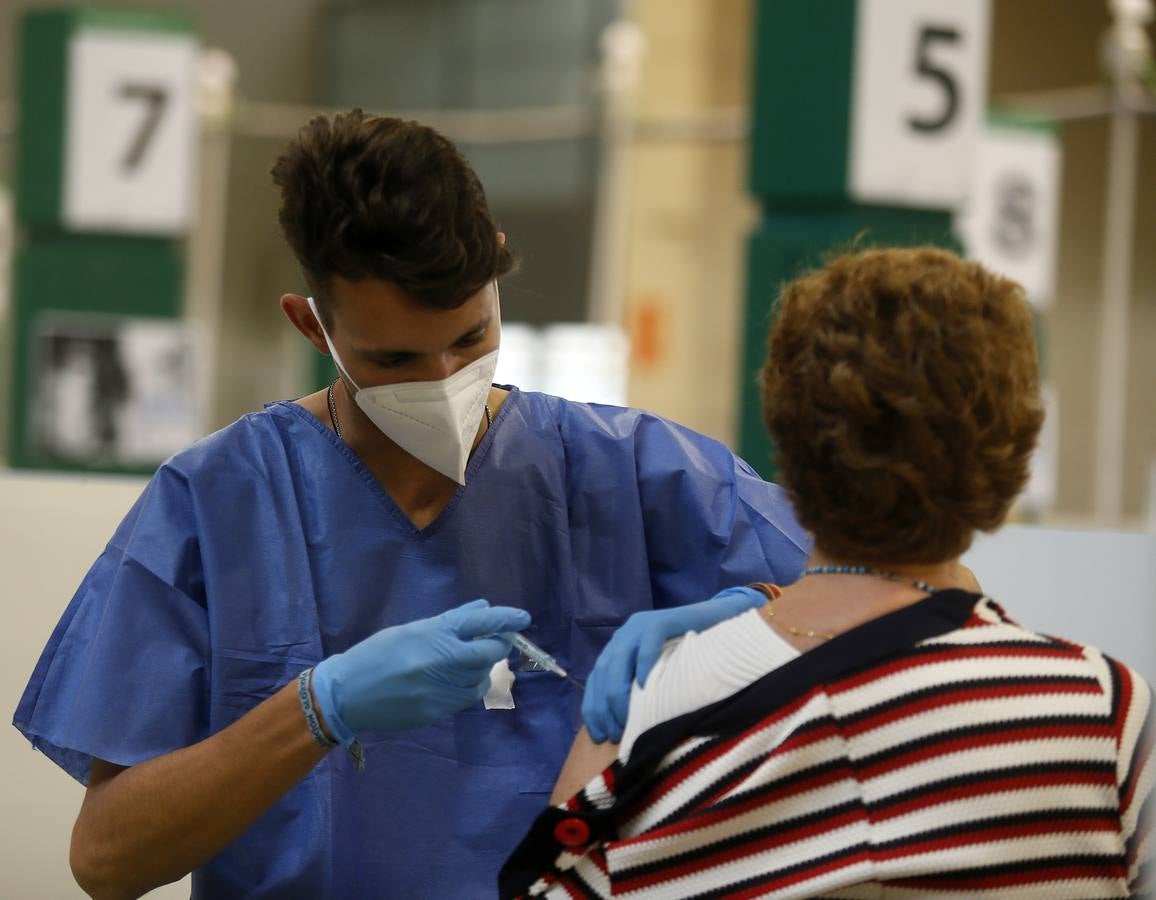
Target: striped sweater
939, 751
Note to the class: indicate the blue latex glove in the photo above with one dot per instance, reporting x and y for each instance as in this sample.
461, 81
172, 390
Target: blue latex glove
413, 674
635, 648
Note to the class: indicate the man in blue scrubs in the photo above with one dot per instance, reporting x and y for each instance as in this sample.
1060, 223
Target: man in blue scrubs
308, 576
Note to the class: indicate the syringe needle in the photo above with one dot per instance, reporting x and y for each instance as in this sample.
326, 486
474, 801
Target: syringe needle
536, 653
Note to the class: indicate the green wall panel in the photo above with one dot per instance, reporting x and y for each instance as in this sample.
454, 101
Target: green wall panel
150, 20
801, 99
42, 108
78, 281
90, 276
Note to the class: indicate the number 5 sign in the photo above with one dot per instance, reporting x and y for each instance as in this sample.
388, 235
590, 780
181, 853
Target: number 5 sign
872, 102
919, 85
108, 124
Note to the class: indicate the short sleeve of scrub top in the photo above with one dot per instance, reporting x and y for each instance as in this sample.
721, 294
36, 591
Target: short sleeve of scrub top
139, 620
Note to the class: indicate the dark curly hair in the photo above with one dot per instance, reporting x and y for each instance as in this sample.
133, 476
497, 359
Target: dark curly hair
901, 389
373, 197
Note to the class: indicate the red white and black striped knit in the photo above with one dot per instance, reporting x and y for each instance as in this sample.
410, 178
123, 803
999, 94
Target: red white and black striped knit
940, 751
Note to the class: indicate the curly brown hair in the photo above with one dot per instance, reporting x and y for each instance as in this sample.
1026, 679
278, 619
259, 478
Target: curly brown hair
901, 389
374, 197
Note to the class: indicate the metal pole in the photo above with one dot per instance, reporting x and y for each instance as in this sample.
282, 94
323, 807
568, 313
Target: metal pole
205, 249
1128, 55
623, 46
1116, 285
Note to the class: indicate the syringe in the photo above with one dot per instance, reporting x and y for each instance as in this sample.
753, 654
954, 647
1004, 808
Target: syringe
540, 656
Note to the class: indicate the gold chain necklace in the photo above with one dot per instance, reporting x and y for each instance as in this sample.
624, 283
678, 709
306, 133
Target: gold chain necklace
773, 592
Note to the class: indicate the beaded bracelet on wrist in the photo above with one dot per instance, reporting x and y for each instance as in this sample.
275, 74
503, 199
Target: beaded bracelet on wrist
305, 697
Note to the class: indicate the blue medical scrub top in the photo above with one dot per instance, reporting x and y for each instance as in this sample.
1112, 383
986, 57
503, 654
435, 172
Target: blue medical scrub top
268, 546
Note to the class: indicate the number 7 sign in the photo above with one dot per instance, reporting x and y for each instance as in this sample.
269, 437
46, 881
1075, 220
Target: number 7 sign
131, 131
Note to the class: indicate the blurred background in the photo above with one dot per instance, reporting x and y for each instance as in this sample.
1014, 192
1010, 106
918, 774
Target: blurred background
659, 166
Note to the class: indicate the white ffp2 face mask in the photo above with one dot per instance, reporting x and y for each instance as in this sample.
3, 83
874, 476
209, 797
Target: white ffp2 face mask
434, 421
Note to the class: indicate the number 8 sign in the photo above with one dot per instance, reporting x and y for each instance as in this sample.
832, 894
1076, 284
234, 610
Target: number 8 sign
131, 131
919, 92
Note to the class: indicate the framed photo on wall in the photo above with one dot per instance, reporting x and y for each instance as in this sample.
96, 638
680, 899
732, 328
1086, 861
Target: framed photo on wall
114, 391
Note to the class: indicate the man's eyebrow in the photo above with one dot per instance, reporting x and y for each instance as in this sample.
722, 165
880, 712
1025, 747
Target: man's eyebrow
384, 353
482, 325
393, 356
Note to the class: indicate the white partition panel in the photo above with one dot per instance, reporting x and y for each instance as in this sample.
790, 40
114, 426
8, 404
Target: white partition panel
51, 529
1093, 587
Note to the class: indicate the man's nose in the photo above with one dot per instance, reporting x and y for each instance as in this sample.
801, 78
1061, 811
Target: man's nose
441, 366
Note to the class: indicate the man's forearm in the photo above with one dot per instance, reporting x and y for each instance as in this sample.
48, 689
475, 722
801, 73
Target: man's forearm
153, 823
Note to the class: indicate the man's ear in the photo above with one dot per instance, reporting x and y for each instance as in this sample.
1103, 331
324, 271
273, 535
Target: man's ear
501, 239
297, 311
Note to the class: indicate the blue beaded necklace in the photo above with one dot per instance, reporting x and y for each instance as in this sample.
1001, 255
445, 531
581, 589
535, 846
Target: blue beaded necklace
866, 570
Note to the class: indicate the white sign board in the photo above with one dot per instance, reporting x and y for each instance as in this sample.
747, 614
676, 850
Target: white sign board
520, 358
116, 390
587, 362
919, 85
131, 131
1011, 222
580, 361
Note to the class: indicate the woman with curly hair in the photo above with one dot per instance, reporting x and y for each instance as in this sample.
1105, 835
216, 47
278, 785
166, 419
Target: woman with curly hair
879, 728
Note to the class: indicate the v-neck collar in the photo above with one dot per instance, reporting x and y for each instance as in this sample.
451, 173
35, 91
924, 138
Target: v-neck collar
477, 458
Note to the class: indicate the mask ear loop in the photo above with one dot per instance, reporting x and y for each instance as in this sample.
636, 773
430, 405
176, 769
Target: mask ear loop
329, 343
